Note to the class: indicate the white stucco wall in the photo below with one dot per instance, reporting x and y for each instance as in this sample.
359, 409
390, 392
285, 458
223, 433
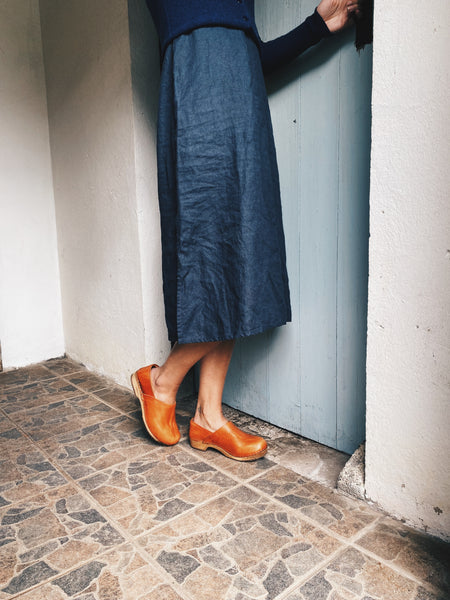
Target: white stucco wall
145, 69
30, 304
90, 105
408, 363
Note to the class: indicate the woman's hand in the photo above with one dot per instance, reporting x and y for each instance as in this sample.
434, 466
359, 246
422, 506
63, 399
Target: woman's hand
337, 14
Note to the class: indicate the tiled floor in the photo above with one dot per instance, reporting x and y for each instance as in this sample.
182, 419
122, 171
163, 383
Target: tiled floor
92, 509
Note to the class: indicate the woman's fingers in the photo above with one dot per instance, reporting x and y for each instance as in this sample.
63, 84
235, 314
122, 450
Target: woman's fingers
353, 8
337, 14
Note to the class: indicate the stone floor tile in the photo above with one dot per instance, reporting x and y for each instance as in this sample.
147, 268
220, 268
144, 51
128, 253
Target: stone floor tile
355, 576
47, 534
120, 398
424, 557
238, 546
121, 574
85, 451
340, 514
62, 416
36, 394
24, 376
5, 423
241, 470
88, 381
155, 488
164, 592
63, 366
25, 472
183, 417
12, 441
310, 459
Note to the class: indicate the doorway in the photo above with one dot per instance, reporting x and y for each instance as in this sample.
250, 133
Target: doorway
309, 376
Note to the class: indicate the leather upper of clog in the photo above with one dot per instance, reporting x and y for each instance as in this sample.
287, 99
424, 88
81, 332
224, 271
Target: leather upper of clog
235, 442
159, 417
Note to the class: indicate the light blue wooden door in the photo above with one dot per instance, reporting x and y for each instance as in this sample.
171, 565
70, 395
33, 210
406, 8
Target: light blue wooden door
309, 376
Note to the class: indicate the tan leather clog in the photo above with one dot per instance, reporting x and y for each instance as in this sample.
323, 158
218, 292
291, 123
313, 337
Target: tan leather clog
229, 440
159, 417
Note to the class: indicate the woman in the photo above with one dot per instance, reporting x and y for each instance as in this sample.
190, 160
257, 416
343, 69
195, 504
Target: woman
224, 264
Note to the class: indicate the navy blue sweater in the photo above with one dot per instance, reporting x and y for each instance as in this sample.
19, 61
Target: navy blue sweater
175, 17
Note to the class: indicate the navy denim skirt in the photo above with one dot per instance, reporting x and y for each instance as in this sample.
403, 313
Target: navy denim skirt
224, 259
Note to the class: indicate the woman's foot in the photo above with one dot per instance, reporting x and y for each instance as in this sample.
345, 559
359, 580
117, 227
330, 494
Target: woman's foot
159, 389
229, 440
158, 415
210, 420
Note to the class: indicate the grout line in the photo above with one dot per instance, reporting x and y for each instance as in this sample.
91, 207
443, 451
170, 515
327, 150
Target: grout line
398, 569
90, 393
70, 397
243, 481
13, 387
323, 528
312, 573
352, 544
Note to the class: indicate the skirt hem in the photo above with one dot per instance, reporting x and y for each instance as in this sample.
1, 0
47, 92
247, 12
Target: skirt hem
225, 338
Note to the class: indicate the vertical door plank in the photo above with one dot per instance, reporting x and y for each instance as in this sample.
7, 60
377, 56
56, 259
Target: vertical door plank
318, 239
283, 87
353, 234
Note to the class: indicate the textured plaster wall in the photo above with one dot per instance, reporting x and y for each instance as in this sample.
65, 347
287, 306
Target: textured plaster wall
99, 214
145, 69
30, 303
408, 362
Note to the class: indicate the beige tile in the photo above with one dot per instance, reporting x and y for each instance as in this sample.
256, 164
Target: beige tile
88, 381
23, 377
207, 584
340, 514
25, 471
62, 416
36, 395
121, 574
238, 469
5, 423
85, 451
120, 398
35, 533
155, 488
243, 543
63, 366
12, 441
163, 592
423, 557
355, 576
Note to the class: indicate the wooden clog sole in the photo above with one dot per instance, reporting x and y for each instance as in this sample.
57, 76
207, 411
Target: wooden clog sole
203, 447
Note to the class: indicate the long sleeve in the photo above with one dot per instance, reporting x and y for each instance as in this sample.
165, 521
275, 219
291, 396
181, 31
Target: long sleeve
284, 49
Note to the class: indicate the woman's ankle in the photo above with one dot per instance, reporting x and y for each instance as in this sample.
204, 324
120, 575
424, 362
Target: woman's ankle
161, 390
210, 421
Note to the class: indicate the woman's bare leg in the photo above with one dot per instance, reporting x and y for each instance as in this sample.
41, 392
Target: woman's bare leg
209, 428
167, 378
213, 371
